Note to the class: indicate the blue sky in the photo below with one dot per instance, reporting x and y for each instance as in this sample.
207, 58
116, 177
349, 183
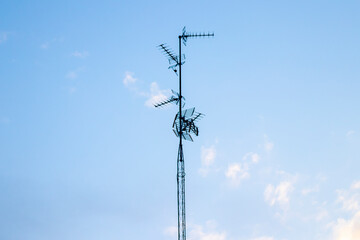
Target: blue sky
83, 155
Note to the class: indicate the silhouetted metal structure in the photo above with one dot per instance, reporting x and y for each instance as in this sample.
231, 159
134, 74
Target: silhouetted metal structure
184, 123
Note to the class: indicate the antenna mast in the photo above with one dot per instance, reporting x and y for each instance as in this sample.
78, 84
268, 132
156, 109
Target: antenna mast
183, 126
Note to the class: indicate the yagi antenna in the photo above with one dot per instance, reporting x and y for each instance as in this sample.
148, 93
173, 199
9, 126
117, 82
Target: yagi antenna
184, 123
172, 57
185, 35
175, 98
167, 51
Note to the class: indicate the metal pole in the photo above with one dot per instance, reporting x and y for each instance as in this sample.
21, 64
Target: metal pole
178, 190
180, 106
181, 166
186, 126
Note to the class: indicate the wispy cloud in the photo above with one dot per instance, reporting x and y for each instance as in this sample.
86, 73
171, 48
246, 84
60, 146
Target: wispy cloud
199, 232
309, 190
238, 171
153, 95
263, 238
253, 157
279, 195
268, 145
350, 199
156, 95
355, 185
344, 229
129, 79
209, 232
73, 74
78, 54
208, 156
170, 231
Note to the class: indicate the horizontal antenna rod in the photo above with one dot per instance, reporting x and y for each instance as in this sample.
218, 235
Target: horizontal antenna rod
197, 35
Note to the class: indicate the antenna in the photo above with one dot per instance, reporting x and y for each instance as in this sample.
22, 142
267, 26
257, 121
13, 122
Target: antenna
186, 35
183, 125
175, 98
173, 59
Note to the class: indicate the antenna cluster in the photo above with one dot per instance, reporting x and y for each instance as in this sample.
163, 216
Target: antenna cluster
189, 118
184, 123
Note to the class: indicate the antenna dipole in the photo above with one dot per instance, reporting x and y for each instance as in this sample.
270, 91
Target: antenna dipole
183, 126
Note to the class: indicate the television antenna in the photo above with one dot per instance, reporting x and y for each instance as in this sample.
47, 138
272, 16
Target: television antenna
184, 122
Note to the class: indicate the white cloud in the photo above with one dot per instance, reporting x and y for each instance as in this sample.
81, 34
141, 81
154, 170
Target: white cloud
349, 202
268, 145
156, 95
198, 233
208, 156
279, 194
355, 185
3, 37
254, 157
79, 54
171, 231
263, 238
237, 172
129, 79
347, 229
350, 199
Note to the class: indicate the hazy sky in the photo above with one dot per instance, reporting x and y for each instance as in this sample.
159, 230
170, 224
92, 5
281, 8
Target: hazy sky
83, 155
